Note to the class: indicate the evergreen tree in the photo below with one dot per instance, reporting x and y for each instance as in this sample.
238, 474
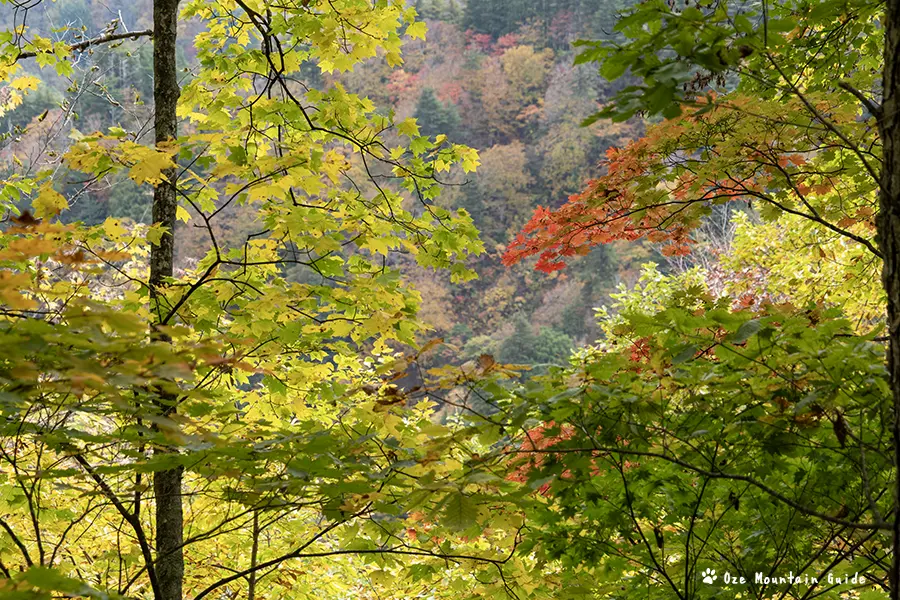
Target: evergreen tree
453, 12
527, 348
440, 10
497, 17
519, 348
434, 116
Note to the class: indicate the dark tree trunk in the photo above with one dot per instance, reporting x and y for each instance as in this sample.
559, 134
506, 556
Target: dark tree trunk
165, 96
254, 558
166, 484
889, 240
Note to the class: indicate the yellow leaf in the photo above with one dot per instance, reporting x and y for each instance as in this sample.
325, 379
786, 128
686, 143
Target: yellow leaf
26, 82
154, 233
182, 214
408, 127
417, 30
114, 229
27, 247
49, 202
377, 244
11, 285
394, 59
150, 166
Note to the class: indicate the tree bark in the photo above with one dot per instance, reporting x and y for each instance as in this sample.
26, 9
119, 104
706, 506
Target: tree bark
889, 241
166, 484
254, 558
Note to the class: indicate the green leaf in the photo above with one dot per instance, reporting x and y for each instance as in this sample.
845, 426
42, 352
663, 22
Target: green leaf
745, 331
459, 512
685, 354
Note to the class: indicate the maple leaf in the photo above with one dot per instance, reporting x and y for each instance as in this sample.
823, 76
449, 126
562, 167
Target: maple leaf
49, 202
149, 164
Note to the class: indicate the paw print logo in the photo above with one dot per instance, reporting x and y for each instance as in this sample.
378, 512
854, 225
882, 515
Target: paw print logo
709, 576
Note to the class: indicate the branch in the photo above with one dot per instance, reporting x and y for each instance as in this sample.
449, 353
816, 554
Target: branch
712, 475
129, 518
825, 121
629, 501
103, 39
815, 218
18, 542
299, 553
327, 553
873, 108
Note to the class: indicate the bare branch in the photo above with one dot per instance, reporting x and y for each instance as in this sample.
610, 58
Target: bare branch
97, 41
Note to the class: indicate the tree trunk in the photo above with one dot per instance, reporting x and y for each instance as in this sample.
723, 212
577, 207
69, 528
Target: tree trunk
166, 484
889, 241
254, 558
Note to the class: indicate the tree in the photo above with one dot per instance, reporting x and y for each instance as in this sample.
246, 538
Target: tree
435, 117
495, 18
702, 437
251, 385
444, 10
791, 259
780, 108
528, 348
498, 199
167, 483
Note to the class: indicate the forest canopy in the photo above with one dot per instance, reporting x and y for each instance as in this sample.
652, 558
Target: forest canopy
443, 298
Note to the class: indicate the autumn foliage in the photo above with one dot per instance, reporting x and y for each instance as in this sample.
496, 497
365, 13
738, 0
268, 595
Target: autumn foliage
660, 187
529, 459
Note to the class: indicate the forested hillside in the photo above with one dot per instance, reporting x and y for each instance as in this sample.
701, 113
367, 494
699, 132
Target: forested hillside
492, 76
433, 299
500, 77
